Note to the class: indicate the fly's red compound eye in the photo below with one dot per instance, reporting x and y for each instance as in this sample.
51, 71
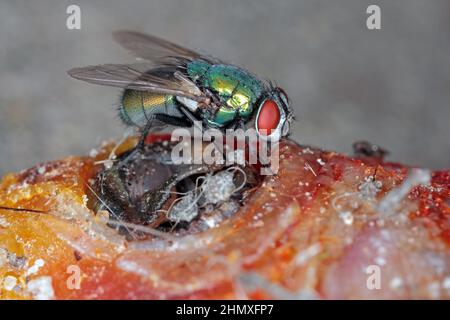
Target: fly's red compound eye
268, 117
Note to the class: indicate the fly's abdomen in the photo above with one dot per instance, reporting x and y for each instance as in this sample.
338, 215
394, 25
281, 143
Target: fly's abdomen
138, 107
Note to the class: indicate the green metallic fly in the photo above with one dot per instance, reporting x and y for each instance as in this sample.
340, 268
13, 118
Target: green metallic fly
179, 86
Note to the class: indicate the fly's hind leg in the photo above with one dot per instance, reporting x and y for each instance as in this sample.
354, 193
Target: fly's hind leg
144, 134
159, 117
139, 146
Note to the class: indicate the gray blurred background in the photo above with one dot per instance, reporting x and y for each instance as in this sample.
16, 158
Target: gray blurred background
346, 83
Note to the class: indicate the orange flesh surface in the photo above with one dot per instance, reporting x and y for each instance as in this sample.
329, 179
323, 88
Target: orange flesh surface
293, 234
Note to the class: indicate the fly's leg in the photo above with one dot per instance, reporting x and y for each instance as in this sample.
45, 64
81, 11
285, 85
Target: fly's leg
166, 119
140, 145
144, 135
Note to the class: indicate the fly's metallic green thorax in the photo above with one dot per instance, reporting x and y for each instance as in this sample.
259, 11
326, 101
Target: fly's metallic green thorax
238, 90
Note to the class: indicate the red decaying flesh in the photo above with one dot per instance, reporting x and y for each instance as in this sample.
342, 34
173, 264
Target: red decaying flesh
312, 231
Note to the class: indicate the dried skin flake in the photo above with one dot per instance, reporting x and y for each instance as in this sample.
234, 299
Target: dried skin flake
291, 239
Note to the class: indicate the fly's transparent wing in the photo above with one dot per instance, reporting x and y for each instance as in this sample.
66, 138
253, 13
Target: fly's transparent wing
153, 48
166, 80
